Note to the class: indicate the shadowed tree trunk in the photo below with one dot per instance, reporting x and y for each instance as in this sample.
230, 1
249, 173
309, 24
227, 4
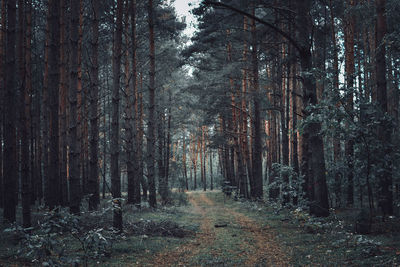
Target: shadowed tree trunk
313, 158
10, 142
257, 144
2, 96
129, 112
26, 171
115, 171
350, 75
74, 146
384, 176
136, 142
151, 139
63, 106
94, 128
54, 80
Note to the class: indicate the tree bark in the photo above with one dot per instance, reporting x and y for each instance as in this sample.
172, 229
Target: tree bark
63, 106
93, 185
384, 175
151, 119
257, 144
54, 80
74, 145
2, 96
129, 112
350, 75
137, 143
313, 150
115, 170
160, 159
10, 142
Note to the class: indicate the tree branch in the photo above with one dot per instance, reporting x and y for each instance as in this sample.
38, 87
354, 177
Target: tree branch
271, 26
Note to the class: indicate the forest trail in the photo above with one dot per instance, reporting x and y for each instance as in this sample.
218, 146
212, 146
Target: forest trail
238, 241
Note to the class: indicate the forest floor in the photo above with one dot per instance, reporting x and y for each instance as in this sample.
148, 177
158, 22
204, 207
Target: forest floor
227, 237
209, 229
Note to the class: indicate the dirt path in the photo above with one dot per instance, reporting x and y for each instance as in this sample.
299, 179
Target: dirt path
243, 242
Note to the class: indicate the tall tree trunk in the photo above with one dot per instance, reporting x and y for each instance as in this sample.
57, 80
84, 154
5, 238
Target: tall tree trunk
10, 142
336, 140
80, 106
285, 125
129, 112
203, 155
384, 175
257, 144
160, 159
211, 171
185, 176
74, 145
22, 131
350, 75
26, 116
313, 150
45, 116
54, 80
93, 116
115, 171
151, 119
168, 144
144, 183
295, 154
2, 96
137, 143
104, 149
63, 106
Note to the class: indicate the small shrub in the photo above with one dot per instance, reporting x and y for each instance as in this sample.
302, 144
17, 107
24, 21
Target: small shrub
45, 243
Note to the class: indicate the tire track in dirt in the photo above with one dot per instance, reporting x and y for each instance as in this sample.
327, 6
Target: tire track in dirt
181, 255
259, 246
265, 251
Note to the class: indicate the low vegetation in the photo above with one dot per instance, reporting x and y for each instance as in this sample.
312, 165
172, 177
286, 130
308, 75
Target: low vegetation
210, 230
